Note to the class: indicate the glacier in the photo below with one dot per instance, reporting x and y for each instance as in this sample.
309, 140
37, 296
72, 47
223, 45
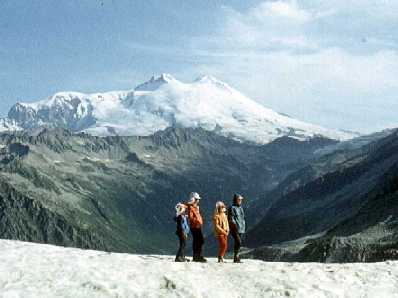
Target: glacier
164, 102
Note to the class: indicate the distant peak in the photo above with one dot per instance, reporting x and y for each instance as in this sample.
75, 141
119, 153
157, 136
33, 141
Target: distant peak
165, 77
155, 82
67, 94
209, 79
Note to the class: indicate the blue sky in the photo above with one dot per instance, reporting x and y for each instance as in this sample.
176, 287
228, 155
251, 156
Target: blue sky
333, 63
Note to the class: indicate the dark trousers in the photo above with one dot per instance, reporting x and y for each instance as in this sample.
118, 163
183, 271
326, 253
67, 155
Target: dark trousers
237, 241
181, 248
198, 242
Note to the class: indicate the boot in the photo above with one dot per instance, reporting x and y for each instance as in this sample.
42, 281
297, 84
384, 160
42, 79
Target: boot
180, 259
202, 259
237, 259
220, 259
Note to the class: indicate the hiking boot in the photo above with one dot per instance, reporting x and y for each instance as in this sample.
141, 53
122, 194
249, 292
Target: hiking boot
203, 260
195, 259
237, 259
220, 259
199, 259
180, 259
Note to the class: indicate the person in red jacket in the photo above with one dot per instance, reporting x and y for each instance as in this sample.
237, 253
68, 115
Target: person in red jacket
195, 224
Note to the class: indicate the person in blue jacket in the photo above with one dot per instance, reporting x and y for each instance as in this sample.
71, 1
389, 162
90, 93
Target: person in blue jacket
237, 224
182, 232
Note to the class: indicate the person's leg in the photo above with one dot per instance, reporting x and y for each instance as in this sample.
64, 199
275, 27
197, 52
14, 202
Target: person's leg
242, 239
237, 244
201, 242
195, 243
240, 236
183, 243
224, 245
220, 244
180, 253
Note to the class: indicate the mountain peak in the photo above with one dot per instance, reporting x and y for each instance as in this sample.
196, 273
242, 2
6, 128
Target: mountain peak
165, 77
155, 82
209, 79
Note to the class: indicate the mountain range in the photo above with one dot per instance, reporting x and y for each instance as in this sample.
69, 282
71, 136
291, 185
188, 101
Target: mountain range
118, 193
160, 103
342, 207
105, 170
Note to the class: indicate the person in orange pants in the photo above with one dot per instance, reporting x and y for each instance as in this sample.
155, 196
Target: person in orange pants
221, 229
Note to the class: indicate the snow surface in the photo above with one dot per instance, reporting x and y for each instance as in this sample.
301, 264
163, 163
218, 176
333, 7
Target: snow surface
37, 270
8, 125
164, 101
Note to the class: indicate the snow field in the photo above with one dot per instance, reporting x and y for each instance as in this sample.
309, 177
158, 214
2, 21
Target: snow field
37, 270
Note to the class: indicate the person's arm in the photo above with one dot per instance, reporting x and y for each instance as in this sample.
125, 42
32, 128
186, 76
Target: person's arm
200, 219
217, 226
232, 217
190, 215
227, 228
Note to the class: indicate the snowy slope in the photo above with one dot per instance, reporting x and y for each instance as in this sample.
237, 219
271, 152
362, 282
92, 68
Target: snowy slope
8, 125
33, 270
163, 102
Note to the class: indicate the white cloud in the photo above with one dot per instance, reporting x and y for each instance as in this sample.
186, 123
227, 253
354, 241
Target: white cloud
280, 9
269, 25
333, 63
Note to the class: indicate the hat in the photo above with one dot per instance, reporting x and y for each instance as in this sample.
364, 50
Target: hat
194, 196
236, 197
220, 204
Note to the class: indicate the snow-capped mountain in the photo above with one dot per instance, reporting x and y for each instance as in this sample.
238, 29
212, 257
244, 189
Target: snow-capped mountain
160, 103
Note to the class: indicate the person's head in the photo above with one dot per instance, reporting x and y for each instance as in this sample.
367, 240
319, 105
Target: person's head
237, 200
180, 209
220, 207
194, 198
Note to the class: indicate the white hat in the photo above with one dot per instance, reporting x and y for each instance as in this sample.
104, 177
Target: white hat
220, 204
194, 196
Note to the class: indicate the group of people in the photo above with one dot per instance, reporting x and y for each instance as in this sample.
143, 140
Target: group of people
225, 222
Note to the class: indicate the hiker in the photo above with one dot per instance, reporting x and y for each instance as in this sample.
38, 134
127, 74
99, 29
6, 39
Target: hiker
221, 229
196, 223
237, 224
182, 231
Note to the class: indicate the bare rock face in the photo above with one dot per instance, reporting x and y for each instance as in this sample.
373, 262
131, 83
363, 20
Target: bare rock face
349, 206
67, 111
118, 193
26, 219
